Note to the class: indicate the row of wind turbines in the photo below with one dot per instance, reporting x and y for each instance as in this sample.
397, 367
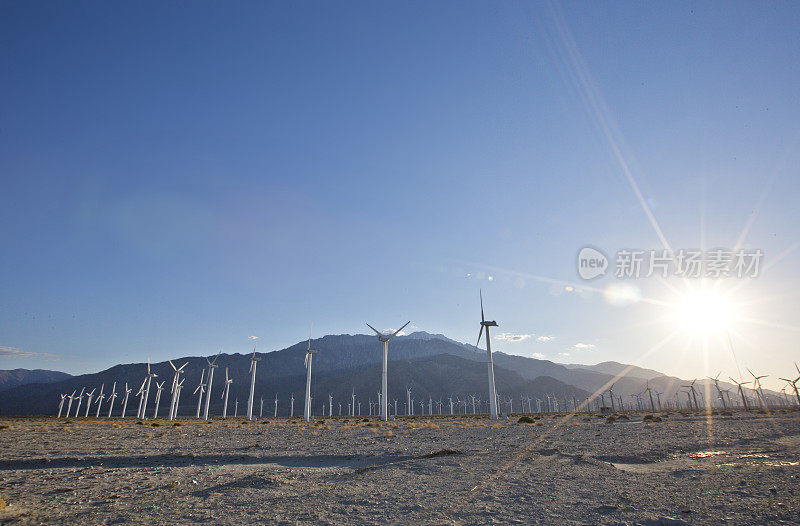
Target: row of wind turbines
205, 387
493, 403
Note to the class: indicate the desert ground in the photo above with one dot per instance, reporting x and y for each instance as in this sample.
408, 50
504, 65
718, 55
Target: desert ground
740, 468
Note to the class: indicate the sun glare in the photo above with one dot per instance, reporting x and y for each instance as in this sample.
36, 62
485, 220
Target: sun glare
704, 312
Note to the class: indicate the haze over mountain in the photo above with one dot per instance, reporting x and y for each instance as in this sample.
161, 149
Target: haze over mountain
431, 365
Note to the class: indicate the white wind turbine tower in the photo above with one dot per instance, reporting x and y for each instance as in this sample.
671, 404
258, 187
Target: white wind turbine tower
253, 363
309, 356
385, 340
236, 408
492, 391
125, 402
100, 398
80, 399
201, 387
409, 407
111, 398
159, 387
61, 404
69, 404
173, 404
291, 407
330, 405
354, 401
179, 388
211, 366
150, 377
89, 402
261, 407
276, 405
140, 394
228, 382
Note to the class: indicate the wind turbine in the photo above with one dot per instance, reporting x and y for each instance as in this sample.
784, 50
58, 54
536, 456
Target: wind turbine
253, 363
330, 405
159, 387
650, 392
173, 404
236, 408
793, 382
100, 398
291, 407
276, 405
201, 387
140, 394
261, 408
409, 407
80, 399
741, 393
89, 402
228, 382
179, 389
719, 391
384, 390
694, 395
69, 404
150, 377
611, 392
111, 398
125, 403
61, 404
490, 364
309, 356
211, 366
758, 389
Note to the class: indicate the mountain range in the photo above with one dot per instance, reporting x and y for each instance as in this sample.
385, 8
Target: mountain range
431, 365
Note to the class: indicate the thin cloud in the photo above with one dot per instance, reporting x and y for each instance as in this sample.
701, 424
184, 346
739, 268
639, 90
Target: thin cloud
509, 337
391, 331
584, 346
544, 339
538, 356
13, 352
563, 354
252, 337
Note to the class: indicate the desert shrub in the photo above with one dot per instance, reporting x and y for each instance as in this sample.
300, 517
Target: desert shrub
623, 416
155, 424
610, 419
525, 420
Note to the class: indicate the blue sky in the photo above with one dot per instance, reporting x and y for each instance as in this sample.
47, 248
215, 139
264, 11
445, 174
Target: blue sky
176, 178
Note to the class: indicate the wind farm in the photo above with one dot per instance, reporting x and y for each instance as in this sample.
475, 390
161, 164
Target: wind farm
244, 250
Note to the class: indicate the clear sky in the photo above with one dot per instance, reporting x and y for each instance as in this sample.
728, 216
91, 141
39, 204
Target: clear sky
176, 177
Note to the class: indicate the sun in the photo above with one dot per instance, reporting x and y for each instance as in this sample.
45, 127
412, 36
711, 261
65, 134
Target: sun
705, 312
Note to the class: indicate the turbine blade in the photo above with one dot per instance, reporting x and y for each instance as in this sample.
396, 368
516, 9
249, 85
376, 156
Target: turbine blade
309, 336
479, 338
376, 330
400, 329
481, 293
172, 364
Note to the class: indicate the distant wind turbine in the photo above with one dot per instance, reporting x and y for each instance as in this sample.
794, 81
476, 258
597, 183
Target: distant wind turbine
89, 402
61, 404
125, 402
69, 404
253, 363
111, 398
201, 388
228, 382
80, 399
159, 387
309, 356
212, 364
384, 390
100, 398
150, 376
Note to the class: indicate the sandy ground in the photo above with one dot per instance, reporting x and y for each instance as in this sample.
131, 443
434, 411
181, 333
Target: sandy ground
686, 469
